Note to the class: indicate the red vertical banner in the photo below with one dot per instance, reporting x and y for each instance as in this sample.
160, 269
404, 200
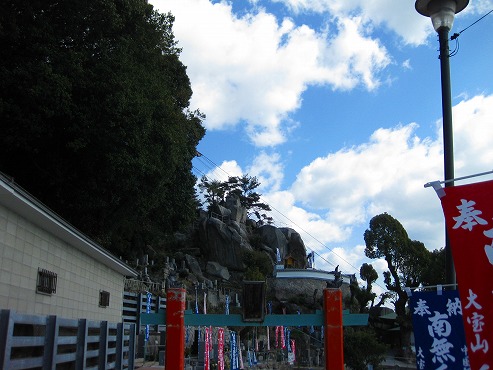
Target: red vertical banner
468, 211
220, 349
175, 328
334, 348
207, 348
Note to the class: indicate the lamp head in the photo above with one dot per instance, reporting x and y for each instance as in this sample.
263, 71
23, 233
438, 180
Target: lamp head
441, 12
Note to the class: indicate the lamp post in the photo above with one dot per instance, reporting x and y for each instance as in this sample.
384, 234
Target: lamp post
442, 13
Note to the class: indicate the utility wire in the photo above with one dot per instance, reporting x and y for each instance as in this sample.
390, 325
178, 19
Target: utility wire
199, 171
455, 36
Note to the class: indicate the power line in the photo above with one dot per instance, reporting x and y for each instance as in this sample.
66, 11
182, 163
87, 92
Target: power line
455, 36
207, 162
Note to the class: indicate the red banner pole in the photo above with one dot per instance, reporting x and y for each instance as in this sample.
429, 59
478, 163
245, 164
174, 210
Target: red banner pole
334, 348
175, 329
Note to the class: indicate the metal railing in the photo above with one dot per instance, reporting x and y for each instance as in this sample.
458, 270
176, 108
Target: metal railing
49, 342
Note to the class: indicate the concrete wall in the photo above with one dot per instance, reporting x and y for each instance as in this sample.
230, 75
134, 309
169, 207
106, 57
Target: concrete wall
25, 247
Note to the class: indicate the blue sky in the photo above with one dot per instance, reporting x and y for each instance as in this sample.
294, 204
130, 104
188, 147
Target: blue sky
335, 106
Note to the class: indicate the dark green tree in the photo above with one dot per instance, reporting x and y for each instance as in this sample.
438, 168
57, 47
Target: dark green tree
368, 274
214, 191
409, 263
364, 295
259, 265
362, 348
95, 120
434, 273
386, 238
244, 187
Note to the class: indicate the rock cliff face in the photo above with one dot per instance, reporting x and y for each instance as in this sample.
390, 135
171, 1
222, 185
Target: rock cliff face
285, 240
223, 242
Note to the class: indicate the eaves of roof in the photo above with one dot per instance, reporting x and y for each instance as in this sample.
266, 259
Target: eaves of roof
21, 202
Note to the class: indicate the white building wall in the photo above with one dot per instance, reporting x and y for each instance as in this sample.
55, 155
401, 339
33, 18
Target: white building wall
25, 247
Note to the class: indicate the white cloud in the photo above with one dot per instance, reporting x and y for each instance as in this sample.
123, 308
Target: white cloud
224, 171
479, 7
316, 232
252, 69
351, 53
268, 169
473, 126
398, 16
356, 182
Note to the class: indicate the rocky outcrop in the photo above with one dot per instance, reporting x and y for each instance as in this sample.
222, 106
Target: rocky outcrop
272, 239
223, 243
194, 267
215, 270
306, 292
286, 240
296, 247
238, 213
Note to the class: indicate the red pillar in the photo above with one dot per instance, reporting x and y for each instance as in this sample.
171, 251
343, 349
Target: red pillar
334, 348
175, 329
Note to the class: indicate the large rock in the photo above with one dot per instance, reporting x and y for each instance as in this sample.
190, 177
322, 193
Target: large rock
273, 238
216, 270
287, 240
238, 212
296, 247
194, 267
239, 228
222, 243
221, 213
303, 291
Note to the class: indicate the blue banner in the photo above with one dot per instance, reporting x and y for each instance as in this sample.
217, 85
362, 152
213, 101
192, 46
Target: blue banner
439, 330
234, 352
287, 338
148, 310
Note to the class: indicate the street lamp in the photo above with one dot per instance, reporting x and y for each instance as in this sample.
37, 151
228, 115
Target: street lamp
442, 13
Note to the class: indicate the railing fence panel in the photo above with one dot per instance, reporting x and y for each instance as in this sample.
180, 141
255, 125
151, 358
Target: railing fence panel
49, 342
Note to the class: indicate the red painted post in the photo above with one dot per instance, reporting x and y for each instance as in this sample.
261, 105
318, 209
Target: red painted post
175, 329
334, 347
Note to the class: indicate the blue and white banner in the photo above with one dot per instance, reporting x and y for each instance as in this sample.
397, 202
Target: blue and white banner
287, 337
439, 330
233, 352
196, 302
148, 310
